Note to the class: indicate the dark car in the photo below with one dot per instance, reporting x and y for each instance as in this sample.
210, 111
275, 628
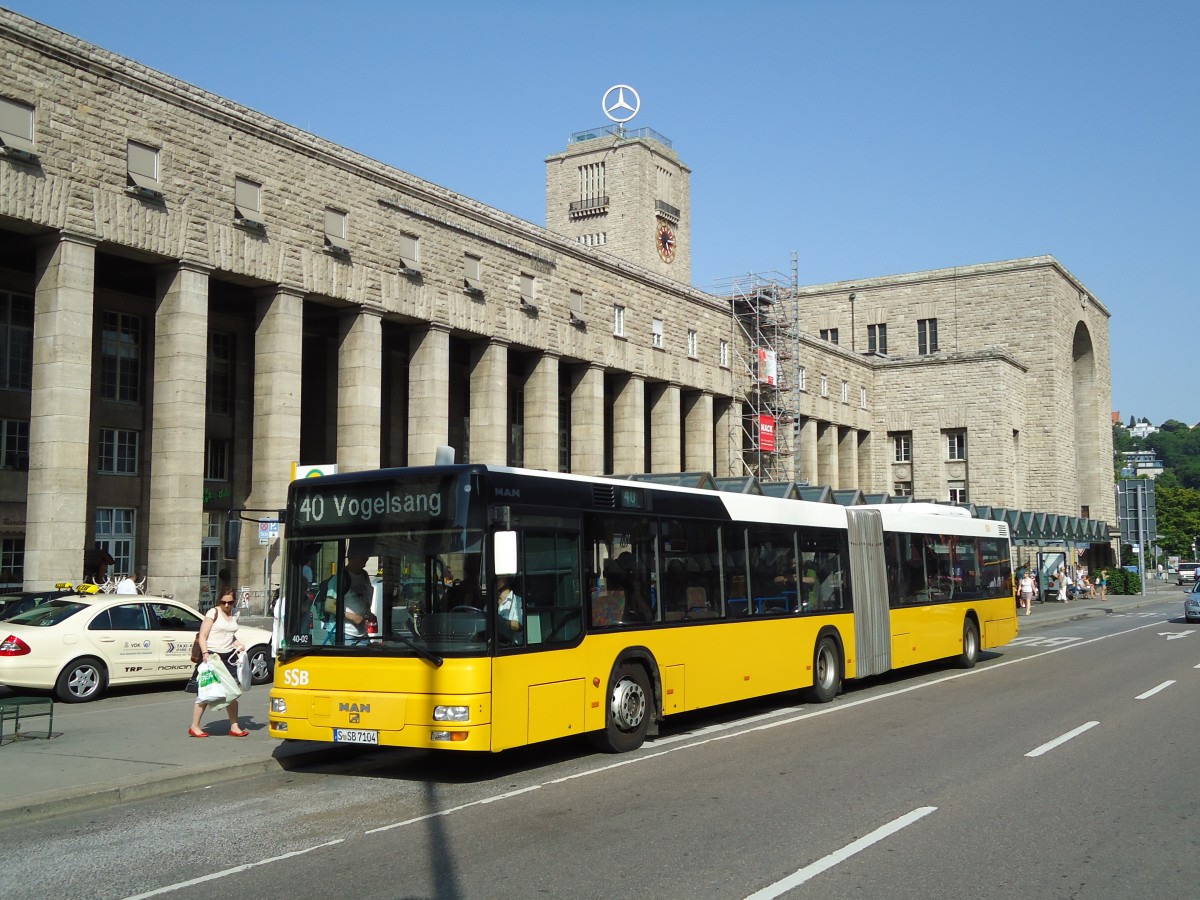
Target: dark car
19, 601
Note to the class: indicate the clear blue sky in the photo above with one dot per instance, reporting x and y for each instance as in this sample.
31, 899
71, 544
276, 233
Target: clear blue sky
873, 137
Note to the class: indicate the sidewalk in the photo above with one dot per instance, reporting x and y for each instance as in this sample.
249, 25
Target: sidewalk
134, 745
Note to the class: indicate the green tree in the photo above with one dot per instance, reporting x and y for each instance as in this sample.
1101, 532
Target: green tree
1178, 511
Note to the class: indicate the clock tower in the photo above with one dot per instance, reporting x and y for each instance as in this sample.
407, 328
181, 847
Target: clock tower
625, 192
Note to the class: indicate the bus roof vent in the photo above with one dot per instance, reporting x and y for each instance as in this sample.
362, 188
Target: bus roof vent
604, 496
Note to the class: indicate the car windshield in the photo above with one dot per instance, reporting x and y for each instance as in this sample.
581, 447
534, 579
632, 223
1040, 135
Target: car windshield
48, 613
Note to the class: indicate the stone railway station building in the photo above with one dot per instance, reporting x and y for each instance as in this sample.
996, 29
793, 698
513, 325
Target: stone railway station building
194, 296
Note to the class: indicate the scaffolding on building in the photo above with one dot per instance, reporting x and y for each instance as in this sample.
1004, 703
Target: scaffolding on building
765, 345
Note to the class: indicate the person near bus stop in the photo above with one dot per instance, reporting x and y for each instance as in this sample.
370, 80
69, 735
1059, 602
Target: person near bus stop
1062, 579
1027, 589
218, 642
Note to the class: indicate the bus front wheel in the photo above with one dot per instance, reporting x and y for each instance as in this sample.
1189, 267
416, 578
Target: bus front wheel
827, 671
970, 648
627, 716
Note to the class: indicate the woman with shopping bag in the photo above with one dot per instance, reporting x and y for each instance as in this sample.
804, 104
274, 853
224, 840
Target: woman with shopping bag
218, 645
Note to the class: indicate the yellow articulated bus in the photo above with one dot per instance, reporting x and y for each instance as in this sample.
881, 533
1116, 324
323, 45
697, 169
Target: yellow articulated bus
476, 607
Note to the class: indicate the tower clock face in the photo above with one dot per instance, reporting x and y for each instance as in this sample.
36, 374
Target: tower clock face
666, 243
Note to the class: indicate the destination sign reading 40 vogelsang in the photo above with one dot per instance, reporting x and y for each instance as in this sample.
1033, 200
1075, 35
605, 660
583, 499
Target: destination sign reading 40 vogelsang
371, 503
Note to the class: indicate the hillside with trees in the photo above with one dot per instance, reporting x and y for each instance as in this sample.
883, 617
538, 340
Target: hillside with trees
1177, 489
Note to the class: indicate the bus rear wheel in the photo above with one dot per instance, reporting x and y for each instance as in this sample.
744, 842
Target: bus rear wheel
970, 648
827, 671
627, 716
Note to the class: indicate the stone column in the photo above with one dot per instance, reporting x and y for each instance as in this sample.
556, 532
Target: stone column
807, 453
848, 457
699, 429
360, 391
489, 403
827, 455
428, 394
177, 436
541, 414
866, 471
664, 428
57, 513
587, 420
278, 353
629, 426
727, 444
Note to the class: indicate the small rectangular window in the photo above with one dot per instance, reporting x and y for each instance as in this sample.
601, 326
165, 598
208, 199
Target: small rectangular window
410, 258
16, 342
956, 445
12, 562
528, 289
829, 334
845, 392
577, 302
335, 230
927, 341
862, 398
958, 492
902, 443
247, 201
473, 274
723, 355
692, 343
877, 339
216, 459
142, 166
14, 444
656, 333
824, 385
120, 451
801, 378
619, 321
16, 125
902, 489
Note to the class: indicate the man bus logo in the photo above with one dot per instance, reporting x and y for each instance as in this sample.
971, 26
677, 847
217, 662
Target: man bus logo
354, 707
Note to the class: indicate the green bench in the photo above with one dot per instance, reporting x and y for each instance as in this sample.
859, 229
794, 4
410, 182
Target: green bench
13, 709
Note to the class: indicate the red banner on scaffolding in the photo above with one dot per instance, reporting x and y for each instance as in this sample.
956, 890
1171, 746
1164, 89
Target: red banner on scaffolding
766, 433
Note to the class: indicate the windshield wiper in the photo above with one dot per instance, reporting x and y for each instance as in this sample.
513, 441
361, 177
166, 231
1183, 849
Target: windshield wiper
420, 651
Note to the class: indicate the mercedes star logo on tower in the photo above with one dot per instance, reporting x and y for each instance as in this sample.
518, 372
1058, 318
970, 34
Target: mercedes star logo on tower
620, 110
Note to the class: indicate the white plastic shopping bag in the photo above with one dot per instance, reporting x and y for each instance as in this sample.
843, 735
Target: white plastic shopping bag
208, 683
243, 671
228, 684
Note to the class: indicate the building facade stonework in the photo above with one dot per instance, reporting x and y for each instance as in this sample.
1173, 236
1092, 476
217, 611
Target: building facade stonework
196, 296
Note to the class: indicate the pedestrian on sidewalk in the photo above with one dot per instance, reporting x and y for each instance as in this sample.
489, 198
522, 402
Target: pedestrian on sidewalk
1102, 583
1062, 584
1027, 587
218, 642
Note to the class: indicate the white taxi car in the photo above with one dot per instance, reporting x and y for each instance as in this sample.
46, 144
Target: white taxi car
77, 646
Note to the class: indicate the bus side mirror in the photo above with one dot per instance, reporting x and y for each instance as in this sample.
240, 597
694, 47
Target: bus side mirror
504, 552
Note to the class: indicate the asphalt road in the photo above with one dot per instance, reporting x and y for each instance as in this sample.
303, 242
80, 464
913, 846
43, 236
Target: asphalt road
1060, 767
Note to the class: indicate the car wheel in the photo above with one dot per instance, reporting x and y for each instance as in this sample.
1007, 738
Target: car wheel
83, 680
630, 706
262, 667
826, 671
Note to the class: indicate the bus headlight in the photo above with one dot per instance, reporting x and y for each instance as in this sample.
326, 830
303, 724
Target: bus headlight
451, 713
278, 705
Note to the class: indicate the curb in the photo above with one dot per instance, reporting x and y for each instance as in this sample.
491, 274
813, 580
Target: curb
67, 801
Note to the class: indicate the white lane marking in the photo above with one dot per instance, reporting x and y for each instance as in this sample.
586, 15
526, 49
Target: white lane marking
1074, 733
235, 870
800, 876
454, 809
1176, 635
1042, 641
1154, 690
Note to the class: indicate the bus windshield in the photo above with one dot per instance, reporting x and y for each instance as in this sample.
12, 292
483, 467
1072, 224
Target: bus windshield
420, 590
411, 585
